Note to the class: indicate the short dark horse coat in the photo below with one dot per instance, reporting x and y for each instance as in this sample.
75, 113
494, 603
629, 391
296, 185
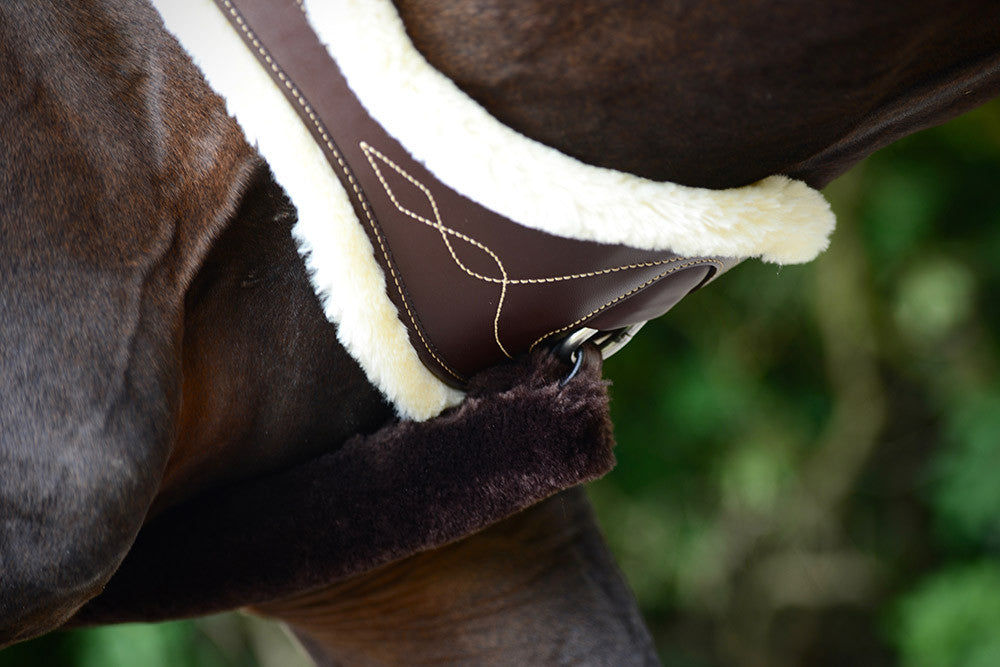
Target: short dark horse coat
180, 427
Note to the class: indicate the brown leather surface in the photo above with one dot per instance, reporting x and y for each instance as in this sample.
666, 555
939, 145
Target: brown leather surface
471, 286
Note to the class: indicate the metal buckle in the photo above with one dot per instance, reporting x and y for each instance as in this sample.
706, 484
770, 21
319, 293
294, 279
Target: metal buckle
608, 342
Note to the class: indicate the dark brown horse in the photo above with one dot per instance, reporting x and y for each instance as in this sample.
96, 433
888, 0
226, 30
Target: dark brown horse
159, 340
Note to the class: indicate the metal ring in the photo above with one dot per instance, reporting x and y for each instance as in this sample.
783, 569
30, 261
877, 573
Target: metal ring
568, 346
577, 363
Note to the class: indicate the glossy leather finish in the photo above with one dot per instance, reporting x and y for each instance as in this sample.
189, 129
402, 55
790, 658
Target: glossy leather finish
471, 286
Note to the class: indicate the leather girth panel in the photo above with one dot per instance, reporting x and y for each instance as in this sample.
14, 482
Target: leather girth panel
472, 287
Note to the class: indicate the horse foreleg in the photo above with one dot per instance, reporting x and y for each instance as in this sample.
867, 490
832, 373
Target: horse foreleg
538, 588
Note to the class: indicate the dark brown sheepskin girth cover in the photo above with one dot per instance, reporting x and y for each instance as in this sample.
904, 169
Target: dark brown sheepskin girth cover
518, 438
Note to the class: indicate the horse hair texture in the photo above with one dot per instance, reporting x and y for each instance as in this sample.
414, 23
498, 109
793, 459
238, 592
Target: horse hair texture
517, 438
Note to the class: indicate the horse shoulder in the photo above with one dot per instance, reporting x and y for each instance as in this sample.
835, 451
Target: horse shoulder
120, 167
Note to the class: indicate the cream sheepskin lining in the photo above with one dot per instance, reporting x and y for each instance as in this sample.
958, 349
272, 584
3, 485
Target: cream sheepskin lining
777, 219
341, 263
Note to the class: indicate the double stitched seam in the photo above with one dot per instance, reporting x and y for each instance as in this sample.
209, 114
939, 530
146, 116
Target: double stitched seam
443, 230
699, 262
252, 38
369, 151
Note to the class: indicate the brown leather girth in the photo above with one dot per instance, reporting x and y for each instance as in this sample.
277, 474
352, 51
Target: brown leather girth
471, 286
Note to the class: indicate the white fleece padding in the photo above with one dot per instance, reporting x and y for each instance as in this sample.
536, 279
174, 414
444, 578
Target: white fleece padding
777, 219
339, 257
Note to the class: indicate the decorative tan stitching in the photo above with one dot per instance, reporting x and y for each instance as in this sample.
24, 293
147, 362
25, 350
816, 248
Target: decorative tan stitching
438, 224
697, 262
343, 166
370, 151
442, 229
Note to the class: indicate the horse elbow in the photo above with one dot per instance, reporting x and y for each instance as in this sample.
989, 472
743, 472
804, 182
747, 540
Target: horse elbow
62, 535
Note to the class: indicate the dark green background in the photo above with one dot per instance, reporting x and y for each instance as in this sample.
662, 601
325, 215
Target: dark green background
808, 455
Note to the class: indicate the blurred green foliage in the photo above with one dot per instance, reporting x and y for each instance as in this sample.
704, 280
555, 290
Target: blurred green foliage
224, 640
952, 618
808, 455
